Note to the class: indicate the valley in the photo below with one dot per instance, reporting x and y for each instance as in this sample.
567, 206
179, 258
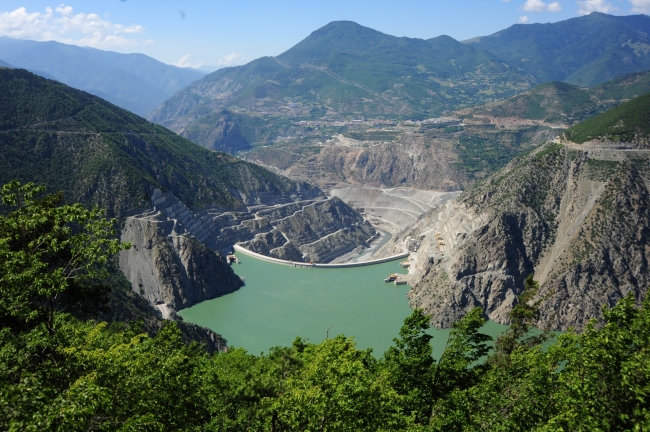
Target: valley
364, 232
332, 165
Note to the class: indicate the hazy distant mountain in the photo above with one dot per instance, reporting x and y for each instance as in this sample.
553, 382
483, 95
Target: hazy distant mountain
5, 64
585, 51
567, 104
132, 81
345, 68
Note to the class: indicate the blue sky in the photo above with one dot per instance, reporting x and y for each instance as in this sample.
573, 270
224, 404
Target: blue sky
215, 32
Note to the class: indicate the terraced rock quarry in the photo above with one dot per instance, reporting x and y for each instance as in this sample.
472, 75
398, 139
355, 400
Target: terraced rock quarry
574, 216
318, 231
177, 254
392, 209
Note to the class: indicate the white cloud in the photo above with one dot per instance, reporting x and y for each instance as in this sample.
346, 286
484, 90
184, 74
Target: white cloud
537, 6
185, 62
585, 7
232, 59
534, 6
523, 19
640, 6
63, 25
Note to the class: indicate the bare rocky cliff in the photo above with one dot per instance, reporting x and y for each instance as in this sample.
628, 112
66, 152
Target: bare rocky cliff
170, 269
415, 160
177, 255
218, 131
318, 232
575, 216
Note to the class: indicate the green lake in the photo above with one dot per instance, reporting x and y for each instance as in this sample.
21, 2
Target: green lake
281, 302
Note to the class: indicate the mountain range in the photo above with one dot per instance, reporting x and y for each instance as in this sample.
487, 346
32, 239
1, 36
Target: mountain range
585, 51
344, 68
135, 82
99, 154
346, 71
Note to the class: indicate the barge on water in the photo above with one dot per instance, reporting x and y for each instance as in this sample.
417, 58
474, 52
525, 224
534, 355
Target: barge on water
391, 278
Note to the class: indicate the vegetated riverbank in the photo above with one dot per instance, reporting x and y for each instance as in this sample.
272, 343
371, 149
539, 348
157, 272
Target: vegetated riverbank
279, 303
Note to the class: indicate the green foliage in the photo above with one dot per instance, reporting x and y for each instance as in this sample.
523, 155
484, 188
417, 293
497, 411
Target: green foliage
98, 154
51, 257
58, 372
338, 388
565, 50
629, 122
522, 317
484, 152
411, 366
605, 384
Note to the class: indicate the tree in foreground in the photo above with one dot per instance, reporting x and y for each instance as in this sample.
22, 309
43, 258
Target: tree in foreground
52, 257
60, 371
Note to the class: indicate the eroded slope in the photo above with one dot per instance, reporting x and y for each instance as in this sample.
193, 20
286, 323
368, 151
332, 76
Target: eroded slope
576, 217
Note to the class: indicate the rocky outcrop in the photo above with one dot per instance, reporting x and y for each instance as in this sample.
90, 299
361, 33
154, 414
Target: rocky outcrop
217, 131
317, 232
176, 256
576, 218
167, 268
413, 160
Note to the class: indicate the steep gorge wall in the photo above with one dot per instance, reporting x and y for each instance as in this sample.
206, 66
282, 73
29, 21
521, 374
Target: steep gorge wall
414, 160
177, 255
577, 219
168, 268
317, 232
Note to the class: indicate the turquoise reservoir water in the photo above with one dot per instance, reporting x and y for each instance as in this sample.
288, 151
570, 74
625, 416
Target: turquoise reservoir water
281, 302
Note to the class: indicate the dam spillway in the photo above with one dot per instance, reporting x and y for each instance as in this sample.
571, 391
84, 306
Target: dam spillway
245, 251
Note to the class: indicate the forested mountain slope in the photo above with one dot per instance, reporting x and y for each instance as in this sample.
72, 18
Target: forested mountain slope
628, 123
345, 68
560, 103
99, 154
585, 51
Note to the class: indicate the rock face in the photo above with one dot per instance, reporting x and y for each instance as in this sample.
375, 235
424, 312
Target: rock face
177, 255
168, 268
217, 132
317, 232
414, 160
576, 217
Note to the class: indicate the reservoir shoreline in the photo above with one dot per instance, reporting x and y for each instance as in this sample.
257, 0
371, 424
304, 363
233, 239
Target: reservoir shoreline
280, 302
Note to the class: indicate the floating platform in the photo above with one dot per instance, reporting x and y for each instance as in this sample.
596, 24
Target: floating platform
402, 279
391, 278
